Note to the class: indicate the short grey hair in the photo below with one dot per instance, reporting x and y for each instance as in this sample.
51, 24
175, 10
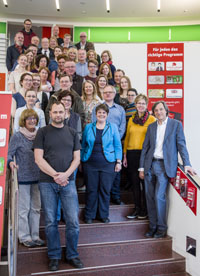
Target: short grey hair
113, 88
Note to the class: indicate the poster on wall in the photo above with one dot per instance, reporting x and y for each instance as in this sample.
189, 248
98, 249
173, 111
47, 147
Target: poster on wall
186, 189
5, 111
165, 76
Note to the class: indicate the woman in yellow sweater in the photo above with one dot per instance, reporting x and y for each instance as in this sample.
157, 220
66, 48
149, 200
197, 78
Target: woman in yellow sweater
135, 135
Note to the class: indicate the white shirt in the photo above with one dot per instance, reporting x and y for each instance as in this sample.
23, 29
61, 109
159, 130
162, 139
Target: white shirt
160, 135
82, 45
47, 52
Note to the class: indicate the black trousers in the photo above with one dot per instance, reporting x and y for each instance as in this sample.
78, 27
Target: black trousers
98, 186
138, 188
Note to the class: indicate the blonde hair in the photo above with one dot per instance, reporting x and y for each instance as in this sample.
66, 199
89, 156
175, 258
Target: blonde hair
141, 97
53, 38
129, 84
97, 85
84, 96
101, 70
73, 50
91, 51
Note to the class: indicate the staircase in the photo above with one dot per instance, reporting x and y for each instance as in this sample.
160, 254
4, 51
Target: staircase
117, 249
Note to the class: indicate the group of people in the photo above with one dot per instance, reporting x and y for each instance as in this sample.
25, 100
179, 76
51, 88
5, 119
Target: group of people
75, 109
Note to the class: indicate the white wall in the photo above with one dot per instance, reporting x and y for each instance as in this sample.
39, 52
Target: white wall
192, 101
132, 58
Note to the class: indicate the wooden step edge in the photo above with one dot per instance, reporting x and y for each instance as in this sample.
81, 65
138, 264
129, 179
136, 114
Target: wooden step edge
103, 244
112, 223
158, 261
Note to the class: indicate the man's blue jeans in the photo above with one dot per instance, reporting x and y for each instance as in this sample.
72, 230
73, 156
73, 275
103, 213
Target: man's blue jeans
50, 194
156, 183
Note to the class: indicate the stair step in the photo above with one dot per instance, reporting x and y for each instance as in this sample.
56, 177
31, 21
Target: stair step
126, 197
144, 257
175, 274
105, 233
117, 213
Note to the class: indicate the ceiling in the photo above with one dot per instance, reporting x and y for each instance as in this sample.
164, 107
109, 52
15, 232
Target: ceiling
94, 11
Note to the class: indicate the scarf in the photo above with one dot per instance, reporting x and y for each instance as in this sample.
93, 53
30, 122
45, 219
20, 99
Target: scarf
140, 120
19, 48
29, 135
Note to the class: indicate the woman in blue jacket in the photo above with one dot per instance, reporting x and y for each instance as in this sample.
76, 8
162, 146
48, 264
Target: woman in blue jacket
101, 155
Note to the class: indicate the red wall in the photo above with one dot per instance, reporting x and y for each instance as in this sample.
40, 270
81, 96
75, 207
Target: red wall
46, 31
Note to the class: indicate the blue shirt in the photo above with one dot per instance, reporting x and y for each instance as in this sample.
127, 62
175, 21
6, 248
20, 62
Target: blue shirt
82, 69
116, 116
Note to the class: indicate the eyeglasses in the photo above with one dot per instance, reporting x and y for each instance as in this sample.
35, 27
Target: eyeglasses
31, 96
141, 103
31, 119
82, 35
108, 92
129, 95
91, 66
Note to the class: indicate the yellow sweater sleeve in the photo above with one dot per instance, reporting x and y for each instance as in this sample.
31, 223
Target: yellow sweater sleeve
136, 134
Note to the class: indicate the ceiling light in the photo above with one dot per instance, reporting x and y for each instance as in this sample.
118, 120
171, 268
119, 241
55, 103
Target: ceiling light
108, 5
57, 5
158, 5
5, 3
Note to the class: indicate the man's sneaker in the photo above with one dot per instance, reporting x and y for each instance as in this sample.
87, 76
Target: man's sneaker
39, 242
133, 215
29, 244
142, 215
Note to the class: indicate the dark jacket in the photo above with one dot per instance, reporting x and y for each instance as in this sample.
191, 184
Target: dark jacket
76, 107
88, 46
51, 56
174, 142
27, 36
77, 83
12, 55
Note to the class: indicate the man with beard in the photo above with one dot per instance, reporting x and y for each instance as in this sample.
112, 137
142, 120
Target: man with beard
57, 161
14, 51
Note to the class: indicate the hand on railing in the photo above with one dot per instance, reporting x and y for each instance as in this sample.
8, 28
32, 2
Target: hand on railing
189, 170
13, 166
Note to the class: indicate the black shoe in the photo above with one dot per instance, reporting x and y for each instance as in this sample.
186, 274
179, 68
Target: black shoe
39, 242
142, 215
53, 264
105, 220
117, 201
160, 234
88, 221
150, 233
75, 262
133, 215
